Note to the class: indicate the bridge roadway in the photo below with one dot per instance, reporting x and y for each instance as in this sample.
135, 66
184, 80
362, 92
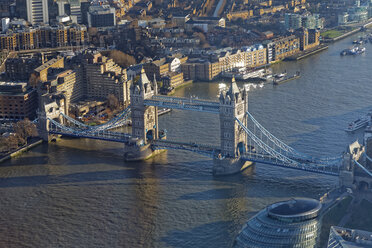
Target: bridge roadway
203, 149
184, 103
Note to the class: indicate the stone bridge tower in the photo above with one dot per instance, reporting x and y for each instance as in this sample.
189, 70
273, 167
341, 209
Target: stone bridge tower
144, 118
233, 104
50, 107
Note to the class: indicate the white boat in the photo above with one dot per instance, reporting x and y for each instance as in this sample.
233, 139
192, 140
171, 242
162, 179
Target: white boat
358, 124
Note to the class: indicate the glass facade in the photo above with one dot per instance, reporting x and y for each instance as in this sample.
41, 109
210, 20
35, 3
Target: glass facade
292, 223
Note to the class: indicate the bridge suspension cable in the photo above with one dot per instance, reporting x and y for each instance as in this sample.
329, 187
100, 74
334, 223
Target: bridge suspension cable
291, 152
271, 156
115, 122
363, 168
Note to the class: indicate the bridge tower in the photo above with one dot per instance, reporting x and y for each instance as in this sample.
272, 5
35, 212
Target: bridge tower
233, 104
50, 107
144, 118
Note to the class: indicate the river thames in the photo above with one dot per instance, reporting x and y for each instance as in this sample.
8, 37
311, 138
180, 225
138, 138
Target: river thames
80, 193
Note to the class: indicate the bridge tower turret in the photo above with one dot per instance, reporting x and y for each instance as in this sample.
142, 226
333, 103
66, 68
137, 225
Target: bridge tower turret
233, 104
144, 118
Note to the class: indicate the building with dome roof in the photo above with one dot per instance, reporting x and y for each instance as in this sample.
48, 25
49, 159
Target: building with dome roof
292, 223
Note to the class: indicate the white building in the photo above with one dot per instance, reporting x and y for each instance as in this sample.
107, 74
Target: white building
37, 11
5, 24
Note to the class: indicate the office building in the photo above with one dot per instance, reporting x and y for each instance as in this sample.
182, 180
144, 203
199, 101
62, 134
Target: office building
292, 223
101, 16
37, 11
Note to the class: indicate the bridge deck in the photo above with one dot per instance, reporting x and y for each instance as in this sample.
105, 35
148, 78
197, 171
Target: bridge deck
184, 103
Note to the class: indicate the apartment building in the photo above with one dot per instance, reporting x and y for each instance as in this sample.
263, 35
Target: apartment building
17, 101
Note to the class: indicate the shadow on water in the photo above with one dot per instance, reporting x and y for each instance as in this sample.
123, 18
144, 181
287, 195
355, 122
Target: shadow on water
202, 236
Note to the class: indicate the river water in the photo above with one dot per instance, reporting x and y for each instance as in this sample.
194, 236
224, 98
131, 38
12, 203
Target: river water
80, 193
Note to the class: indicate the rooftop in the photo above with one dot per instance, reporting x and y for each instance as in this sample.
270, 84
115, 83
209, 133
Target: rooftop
297, 207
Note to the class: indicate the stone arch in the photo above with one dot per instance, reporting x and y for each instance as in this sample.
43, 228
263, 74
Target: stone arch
363, 185
241, 147
150, 135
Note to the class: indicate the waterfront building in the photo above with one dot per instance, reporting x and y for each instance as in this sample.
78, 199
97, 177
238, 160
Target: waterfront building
281, 48
157, 67
252, 56
340, 237
308, 38
17, 101
198, 69
173, 80
101, 16
292, 223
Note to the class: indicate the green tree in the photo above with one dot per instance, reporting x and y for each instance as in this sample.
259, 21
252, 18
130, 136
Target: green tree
122, 59
112, 102
24, 129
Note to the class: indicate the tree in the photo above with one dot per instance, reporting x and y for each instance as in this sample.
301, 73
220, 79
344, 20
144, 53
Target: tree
112, 102
122, 59
24, 129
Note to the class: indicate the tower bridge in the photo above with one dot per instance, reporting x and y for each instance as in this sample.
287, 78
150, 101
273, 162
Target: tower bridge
243, 139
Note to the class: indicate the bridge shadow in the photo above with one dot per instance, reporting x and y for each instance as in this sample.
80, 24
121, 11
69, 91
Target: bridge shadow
207, 235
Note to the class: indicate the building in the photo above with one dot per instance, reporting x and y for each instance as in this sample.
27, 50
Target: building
68, 82
292, 223
75, 10
21, 68
104, 77
281, 48
172, 80
308, 38
158, 67
17, 101
205, 23
252, 56
307, 20
292, 21
42, 71
340, 237
44, 36
199, 69
101, 16
37, 11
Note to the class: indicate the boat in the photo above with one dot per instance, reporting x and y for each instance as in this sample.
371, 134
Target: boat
243, 74
163, 111
358, 124
279, 79
353, 51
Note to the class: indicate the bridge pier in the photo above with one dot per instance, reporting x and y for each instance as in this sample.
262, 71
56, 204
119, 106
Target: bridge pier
228, 166
136, 150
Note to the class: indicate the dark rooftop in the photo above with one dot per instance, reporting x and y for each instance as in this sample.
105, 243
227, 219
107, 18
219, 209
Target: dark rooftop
295, 207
